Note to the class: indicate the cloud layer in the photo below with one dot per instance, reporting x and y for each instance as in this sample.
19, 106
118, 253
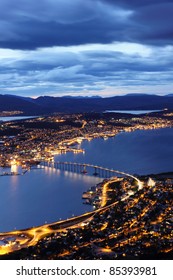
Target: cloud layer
85, 47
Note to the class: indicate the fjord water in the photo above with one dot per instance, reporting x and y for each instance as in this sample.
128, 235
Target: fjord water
48, 195
138, 152
134, 112
14, 118
43, 195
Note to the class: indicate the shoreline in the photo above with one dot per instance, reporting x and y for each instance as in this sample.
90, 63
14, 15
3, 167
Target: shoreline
34, 234
162, 174
36, 238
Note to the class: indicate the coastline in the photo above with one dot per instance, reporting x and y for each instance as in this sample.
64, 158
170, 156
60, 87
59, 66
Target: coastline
31, 236
150, 175
33, 239
32, 231
69, 143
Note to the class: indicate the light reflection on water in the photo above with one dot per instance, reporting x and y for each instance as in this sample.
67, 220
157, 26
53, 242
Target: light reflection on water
42, 195
138, 152
50, 194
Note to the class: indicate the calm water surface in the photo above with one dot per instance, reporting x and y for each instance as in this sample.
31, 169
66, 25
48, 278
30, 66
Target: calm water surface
139, 152
41, 195
13, 118
47, 195
135, 112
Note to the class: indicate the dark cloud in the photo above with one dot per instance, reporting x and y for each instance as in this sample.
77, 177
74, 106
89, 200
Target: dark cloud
67, 46
133, 3
63, 22
24, 30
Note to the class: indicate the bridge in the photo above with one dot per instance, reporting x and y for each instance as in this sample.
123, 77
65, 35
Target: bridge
85, 168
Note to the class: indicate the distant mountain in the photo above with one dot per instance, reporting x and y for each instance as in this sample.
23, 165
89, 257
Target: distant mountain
137, 94
81, 97
17, 103
48, 104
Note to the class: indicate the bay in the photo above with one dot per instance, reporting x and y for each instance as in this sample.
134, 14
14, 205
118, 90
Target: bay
16, 118
138, 152
134, 112
46, 195
41, 195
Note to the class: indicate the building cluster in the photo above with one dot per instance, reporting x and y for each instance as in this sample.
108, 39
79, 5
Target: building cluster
138, 227
10, 113
129, 222
33, 140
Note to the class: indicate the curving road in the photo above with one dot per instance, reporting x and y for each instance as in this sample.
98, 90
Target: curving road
29, 237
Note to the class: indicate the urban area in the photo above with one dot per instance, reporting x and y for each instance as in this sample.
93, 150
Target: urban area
132, 218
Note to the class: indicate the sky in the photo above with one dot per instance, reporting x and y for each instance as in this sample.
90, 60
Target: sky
87, 48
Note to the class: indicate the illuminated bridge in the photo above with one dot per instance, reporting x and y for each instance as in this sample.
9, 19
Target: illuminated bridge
85, 168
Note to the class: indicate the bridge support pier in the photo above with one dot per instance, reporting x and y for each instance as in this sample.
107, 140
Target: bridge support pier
95, 171
84, 170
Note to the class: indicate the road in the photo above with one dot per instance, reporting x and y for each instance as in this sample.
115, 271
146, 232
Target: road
30, 237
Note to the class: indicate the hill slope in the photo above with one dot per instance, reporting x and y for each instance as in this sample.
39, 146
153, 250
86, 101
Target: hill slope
46, 104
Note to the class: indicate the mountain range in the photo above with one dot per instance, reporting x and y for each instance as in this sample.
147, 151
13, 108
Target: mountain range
69, 104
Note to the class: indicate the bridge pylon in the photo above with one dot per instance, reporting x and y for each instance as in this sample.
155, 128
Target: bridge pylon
95, 172
84, 170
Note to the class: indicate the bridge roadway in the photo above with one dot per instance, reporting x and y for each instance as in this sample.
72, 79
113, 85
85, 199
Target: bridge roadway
30, 237
82, 168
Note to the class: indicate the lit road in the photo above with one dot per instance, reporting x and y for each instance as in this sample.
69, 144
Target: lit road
25, 238
131, 230
30, 237
112, 171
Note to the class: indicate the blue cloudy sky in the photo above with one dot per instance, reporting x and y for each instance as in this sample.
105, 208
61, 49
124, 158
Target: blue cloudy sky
91, 47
